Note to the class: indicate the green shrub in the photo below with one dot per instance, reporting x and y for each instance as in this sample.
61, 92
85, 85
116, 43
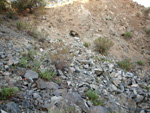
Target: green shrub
35, 34
149, 61
47, 74
125, 64
23, 26
86, 44
3, 5
140, 62
147, 10
22, 5
138, 14
103, 45
11, 15
94, 97
127, 35
8, 92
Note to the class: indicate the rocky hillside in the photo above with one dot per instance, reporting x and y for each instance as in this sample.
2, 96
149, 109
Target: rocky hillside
48, 61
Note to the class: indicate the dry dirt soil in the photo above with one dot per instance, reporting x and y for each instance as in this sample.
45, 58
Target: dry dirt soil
100, 18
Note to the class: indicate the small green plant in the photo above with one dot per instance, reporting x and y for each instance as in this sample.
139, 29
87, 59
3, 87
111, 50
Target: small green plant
86, 44
138, 14
140, 62
11, 15
112, 111
127, 35
27, 58
148, 31
60, 40
70, 110
58, 81
23, 26
47, 74
102, 45
0, 21
149, 61
102, 59
147, 88
24, 62
8, 92
36, 65
34, 33
125, 64
94, 97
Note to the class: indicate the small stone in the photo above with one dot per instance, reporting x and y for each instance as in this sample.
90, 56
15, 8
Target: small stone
6, 67
1, 65
98, 71
43, 18
55, 99
3, 111
139, 98
52, 86
99, 109
36, 95
21, 71
135, 85
116, 81
60, 73
113, 87
41, 84
31, 74
6, 74
11, 108
93, 86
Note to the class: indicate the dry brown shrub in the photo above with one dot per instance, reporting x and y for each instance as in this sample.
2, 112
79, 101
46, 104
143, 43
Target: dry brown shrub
61, 57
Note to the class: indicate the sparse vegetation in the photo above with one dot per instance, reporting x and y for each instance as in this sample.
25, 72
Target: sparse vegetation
147, 11
22, 5
86, 44
62, 57
24, 62
149, 61
125, 64
140, 62
147, 88
102, 59
3, 5
138, 14
103, 45
47, 74
23, 26
94, 97
0, 21
148, 31
8, 92
34, 33
11, 15
31, 60
127, 35
70, 110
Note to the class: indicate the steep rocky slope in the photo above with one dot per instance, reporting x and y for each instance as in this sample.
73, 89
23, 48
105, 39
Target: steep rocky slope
24, 60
